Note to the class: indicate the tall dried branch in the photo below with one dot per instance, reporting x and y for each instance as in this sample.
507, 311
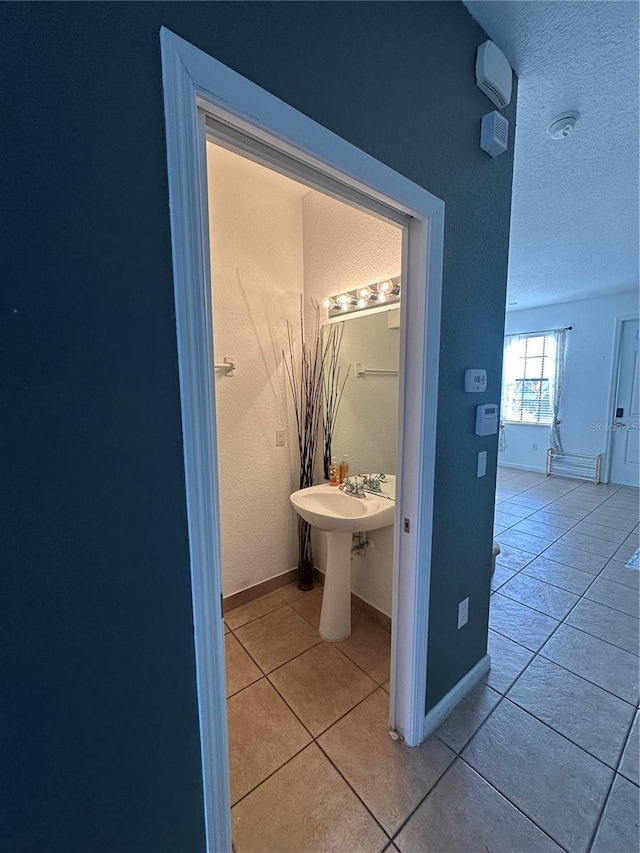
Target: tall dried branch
306, 371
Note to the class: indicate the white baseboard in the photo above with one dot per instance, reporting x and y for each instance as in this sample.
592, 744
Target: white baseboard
533, 468
445, 706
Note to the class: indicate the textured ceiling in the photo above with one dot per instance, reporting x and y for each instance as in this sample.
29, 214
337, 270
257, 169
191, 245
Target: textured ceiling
574, 222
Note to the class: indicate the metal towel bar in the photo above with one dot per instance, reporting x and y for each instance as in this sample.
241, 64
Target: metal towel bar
229, 365
364, 371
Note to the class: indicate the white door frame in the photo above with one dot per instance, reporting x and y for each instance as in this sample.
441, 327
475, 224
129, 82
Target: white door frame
613, 390
196, 85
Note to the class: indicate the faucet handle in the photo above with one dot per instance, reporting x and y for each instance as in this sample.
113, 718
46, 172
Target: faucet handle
349, 487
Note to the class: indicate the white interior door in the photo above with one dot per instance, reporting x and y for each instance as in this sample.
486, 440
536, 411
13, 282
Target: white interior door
625, 455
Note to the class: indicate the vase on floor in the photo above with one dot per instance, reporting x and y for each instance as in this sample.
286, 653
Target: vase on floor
305, 556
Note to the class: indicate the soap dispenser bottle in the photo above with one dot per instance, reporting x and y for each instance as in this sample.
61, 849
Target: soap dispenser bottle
344, 468
334, 472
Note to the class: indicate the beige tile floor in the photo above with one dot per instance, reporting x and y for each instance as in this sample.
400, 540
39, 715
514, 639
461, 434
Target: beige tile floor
543, 756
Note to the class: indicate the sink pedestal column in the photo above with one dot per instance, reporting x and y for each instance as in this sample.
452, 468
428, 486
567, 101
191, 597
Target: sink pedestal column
335, 618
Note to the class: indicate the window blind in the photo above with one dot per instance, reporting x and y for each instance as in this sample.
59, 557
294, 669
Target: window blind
528, 378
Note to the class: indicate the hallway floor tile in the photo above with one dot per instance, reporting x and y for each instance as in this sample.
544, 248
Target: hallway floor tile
541, 757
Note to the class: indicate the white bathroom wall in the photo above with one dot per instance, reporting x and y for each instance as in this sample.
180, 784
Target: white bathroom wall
257, 282
588, 366
345, 248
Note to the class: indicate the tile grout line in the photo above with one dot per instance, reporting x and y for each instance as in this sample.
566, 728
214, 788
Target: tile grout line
261, 616
264, 674
321, 640
314, 738
346, 781
580, 598
475, 770
505, 696
518, 808
571, 672
538, 653
430, 791
337, 720
299, 654
273, 772
553, 729
610, 788
576, 603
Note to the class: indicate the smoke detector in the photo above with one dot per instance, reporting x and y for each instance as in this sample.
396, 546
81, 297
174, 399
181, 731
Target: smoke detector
493, 74
562, 126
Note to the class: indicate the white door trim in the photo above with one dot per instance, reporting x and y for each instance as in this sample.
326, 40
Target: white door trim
196, 85
613, 390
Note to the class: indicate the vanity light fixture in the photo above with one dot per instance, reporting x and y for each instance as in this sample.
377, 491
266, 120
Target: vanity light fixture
385, 292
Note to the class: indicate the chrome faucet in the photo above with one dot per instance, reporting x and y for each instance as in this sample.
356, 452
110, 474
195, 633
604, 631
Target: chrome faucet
350, 487
372, 482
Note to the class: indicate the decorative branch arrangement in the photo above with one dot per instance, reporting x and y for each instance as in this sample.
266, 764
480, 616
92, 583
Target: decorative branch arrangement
333, 390
306, 375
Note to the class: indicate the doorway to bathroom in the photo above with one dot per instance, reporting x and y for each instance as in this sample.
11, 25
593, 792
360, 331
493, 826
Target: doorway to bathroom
203, 98
281, 252
285, 255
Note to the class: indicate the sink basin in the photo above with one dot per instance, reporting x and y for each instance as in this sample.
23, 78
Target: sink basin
340, 516
327, 508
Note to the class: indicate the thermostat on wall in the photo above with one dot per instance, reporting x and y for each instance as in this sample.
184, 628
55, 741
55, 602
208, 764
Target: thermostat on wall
475, 379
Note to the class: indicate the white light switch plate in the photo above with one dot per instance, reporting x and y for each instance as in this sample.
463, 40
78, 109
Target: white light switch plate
481, 468
279, 438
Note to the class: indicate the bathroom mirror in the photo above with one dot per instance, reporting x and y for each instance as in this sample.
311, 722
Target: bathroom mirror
366, 427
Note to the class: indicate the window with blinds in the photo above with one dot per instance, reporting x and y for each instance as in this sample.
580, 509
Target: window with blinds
528, 375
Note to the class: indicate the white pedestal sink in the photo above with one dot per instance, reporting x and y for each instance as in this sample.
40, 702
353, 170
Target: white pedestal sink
340, 515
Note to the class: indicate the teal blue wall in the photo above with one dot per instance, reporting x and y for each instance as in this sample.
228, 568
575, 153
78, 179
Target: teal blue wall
100, 732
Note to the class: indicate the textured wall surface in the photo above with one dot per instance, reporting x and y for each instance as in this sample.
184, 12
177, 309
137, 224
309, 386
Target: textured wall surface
574, 226
588, 364
345, 247
257, 283
101, 739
